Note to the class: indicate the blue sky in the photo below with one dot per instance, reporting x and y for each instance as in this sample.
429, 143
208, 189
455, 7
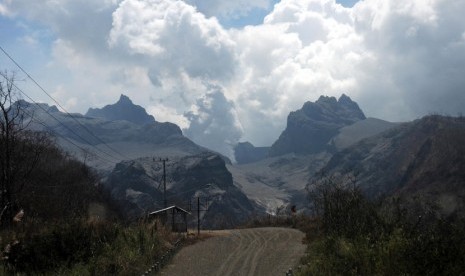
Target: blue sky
256, 15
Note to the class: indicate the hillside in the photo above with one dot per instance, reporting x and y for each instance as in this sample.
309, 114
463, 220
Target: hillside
100, 138
425, 157
123, 151
137, 185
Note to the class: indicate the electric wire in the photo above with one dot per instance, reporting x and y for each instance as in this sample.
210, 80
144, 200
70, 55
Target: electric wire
65, 126
48, 128
53, 99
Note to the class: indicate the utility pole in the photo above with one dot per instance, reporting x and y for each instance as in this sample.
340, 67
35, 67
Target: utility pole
164, 180
198, 216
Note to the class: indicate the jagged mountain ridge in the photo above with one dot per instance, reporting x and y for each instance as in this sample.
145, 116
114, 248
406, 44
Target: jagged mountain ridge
124, 109
97, 136
310, 128
272, 181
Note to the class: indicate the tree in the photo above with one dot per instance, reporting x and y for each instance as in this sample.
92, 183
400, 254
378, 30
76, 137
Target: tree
17, 156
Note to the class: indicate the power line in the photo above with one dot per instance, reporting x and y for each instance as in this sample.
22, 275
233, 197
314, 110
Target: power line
53, 99
65, 126
61, 136
66, 139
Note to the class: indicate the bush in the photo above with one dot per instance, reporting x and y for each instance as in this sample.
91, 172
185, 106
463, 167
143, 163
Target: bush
387, 237
90, 248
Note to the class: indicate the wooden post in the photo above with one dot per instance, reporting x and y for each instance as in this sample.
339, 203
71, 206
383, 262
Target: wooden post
185, 221
198, 215
172, 220
164, 183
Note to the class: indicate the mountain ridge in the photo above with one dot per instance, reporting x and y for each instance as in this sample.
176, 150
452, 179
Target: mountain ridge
310, 128
123, 109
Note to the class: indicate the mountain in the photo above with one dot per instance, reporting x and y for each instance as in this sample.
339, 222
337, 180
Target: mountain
245, 153
124, 109
102, 143
310, 129
314, 133
425, 157
123, 153
136, 184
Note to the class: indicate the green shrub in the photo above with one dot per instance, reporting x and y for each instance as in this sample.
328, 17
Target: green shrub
83, 248
388, 237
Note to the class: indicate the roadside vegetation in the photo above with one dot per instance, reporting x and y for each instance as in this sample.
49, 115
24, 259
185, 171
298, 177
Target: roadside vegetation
352, 235
55, 219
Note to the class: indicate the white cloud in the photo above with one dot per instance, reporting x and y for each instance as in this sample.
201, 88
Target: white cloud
175, 36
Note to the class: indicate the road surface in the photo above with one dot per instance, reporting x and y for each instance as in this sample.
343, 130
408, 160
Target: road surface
258, 251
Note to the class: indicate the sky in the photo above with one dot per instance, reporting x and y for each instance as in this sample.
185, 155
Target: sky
229, 71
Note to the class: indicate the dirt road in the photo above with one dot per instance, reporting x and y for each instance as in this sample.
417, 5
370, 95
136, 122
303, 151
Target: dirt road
260, 251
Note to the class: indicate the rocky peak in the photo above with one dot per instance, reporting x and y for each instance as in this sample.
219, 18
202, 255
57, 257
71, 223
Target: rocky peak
124, 100
310, 128
124, 109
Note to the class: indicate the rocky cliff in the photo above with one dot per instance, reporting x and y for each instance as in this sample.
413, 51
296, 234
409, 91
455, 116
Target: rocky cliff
137, 186
311, 128
124, 109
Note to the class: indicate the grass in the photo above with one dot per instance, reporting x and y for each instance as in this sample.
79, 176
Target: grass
83, 248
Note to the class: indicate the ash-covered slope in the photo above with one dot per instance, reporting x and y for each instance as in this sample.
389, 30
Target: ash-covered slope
311, 128
247, 153
100, 138
426, 156
360, 130
124, 109
137, 186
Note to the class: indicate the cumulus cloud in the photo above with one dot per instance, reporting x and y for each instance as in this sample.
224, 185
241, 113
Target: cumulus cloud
175, 36
418, 53
214, 122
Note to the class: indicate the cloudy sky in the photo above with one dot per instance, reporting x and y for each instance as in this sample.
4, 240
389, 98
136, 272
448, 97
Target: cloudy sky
229, 71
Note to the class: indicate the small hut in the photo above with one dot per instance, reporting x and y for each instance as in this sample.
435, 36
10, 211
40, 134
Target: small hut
174, 214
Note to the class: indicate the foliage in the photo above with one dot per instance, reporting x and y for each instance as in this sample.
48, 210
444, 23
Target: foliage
85, 248
385, 237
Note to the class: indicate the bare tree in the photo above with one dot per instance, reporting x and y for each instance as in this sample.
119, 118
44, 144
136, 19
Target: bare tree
11, 126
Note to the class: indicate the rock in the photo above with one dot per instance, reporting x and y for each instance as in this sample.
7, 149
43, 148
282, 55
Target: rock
136, 183
311, 128
124, 109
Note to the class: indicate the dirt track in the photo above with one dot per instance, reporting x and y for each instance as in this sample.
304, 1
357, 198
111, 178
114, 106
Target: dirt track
261, 251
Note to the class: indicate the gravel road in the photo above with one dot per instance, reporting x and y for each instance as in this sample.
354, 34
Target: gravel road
258, 251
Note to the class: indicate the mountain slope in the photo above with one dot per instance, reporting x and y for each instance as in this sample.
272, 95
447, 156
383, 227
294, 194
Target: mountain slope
426, 156
247, 153
310, 129
351, 134
137, 185
101, 139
